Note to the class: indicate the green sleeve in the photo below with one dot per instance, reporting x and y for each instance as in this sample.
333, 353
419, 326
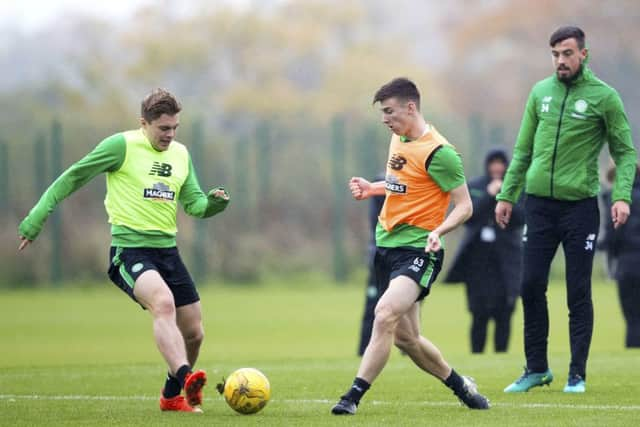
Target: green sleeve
195, 202
620, 147
446, 168
515, 177
107, 156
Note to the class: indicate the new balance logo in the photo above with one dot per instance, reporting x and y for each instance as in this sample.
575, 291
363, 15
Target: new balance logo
160, 169
397, 162
417, 264
591, 238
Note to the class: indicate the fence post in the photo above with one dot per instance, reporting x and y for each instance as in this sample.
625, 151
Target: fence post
496, 135
370, 166
200, 249
40, 163
4, 177
55, 220
339, 189
241, 190
477, 144
263, 158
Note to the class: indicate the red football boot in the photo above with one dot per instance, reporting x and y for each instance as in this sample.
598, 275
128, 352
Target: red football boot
193, 384
177, 403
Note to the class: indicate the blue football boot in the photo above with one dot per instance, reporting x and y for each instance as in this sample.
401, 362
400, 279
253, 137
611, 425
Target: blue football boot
575, 384
529, 380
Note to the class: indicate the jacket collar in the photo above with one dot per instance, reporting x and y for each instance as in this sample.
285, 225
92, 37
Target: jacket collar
585, 74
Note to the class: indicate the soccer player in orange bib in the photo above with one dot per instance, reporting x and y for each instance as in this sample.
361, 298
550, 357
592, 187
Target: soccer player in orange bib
424, 174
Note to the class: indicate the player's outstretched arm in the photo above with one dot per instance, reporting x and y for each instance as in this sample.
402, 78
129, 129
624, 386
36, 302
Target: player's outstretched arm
218, 199
362, 189
198, 204
24, 242
108, 155
219, 193
462, 211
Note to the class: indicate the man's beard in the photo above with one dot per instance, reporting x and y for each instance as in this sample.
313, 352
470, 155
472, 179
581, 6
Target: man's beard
568, 77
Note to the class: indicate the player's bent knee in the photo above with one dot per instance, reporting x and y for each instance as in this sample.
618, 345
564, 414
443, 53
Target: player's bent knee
163, 306
405, 341
195, 335
385, 318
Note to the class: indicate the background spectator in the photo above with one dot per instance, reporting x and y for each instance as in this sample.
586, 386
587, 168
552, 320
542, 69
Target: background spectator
489, 258
622, 246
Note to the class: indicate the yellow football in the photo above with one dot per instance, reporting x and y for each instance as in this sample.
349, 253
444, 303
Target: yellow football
247, 390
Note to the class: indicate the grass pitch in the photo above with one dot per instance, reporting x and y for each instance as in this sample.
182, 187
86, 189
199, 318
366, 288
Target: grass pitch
86, 357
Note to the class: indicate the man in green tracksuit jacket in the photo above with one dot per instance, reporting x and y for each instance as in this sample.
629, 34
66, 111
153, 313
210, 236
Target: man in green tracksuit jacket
567, 119
147, 174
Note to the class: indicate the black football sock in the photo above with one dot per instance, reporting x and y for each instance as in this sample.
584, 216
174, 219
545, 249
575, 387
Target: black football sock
171, 387
357, 390
181, 374
455, 382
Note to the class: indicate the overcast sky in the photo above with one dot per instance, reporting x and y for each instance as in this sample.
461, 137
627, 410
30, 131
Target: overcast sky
31, 14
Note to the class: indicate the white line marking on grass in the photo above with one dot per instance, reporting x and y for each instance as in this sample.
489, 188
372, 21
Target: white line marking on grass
505, 404
14, 397
71, 397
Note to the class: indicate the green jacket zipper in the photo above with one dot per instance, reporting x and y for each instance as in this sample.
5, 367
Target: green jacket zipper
555, 147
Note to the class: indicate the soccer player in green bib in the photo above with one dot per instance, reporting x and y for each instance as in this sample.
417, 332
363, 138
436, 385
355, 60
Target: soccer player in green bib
147, 174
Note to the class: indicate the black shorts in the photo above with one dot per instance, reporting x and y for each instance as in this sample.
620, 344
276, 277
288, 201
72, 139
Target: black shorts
421, 267
127, 264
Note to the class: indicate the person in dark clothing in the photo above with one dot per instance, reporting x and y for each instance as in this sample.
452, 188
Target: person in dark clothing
489, 258
372, 294
622, 246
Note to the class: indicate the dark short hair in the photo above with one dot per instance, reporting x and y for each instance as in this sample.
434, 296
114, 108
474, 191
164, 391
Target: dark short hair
401, 88
564, 33
157, 103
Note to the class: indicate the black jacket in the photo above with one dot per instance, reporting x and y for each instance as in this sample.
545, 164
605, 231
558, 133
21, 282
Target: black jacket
488, 256
623, 245
375, 206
